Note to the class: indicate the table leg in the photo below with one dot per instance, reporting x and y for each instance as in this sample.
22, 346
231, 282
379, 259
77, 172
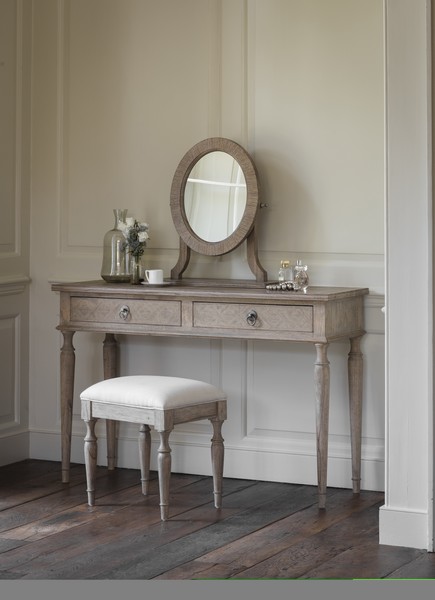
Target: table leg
322, 385
355, 375
110, 361
67, 367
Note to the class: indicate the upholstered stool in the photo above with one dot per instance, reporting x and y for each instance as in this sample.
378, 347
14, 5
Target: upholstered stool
158, 402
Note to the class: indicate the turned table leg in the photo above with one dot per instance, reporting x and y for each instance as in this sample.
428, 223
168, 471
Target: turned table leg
110, 361
91, 452
67, 367
217, 460
164, 470
322, 385
355, 375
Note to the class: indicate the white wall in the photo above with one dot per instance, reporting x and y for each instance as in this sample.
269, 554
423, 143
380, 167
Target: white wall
407, 517
15, 44
119, 91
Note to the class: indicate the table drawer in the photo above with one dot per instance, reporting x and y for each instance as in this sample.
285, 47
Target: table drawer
113, 310
250, 316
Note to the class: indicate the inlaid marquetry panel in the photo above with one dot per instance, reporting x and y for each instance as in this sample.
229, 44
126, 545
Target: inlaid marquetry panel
107, 310
234, 316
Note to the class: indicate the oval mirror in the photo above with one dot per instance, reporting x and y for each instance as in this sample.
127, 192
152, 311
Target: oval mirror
215, 196
214, 203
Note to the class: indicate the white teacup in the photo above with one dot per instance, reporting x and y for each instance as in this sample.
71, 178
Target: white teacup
154, 276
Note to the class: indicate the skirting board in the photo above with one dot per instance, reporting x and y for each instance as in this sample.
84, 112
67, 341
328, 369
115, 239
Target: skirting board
399, 527
14, 447
239, 463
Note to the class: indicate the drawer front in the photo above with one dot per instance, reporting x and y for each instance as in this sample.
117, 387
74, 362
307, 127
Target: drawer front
141, 312
239, 316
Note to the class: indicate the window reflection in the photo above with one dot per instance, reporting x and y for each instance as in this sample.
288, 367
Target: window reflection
215, 196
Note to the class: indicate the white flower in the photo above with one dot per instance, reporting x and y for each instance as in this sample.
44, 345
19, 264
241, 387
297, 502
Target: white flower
136, 235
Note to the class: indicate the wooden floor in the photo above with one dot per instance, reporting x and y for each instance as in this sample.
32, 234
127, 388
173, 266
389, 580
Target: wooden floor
264, 531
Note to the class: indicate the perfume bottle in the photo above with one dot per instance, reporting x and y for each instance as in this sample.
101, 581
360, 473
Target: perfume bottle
284, 271
301, 276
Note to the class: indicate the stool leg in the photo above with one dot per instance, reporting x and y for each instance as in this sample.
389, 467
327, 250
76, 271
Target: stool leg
217, 460
164, 468
90, 459
144, 457
111, 434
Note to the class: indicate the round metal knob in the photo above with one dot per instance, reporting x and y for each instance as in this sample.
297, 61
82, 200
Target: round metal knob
251, 317
124, 312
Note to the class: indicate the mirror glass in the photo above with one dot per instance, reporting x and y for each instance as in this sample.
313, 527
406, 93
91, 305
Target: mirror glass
215, 196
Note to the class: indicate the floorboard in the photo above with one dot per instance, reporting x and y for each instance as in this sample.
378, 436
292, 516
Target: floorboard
265, 530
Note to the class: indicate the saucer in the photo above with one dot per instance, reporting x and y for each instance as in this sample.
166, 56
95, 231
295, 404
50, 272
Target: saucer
156, 284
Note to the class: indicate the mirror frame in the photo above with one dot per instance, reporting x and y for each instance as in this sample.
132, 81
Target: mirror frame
189, 240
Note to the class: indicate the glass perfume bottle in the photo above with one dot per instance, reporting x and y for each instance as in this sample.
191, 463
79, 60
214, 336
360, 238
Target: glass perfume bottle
284, 271
115, 267
301, 279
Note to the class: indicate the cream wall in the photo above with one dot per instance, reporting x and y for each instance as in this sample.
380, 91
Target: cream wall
15, 48
120, 90
407, 516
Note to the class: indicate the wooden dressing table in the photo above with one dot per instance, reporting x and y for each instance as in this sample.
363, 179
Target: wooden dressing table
217, 310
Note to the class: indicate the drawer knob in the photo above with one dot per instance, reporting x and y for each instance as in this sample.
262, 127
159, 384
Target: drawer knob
124, 312
251, 317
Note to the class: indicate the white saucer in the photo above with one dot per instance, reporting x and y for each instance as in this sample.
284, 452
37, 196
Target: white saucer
156, 284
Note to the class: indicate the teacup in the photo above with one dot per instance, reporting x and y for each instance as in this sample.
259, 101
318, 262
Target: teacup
154, 276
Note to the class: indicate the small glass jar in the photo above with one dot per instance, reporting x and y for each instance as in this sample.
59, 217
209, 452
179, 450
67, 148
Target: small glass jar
301, 278
284, 273
135, 268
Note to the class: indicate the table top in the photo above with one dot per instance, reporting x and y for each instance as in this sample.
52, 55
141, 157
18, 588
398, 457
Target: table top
207, 289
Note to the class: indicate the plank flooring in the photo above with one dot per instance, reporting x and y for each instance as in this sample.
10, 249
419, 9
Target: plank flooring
265, 530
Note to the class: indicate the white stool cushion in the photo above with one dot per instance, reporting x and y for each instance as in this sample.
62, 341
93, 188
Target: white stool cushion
153, 391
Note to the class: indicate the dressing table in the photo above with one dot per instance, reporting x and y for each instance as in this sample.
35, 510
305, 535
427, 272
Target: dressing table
217, 308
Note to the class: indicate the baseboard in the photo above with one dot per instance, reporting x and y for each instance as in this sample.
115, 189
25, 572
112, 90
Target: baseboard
14, 447
266, 464
400, 527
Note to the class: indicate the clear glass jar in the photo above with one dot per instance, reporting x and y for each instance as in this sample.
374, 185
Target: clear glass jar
284, 271
301, 278
135, 268
116, 267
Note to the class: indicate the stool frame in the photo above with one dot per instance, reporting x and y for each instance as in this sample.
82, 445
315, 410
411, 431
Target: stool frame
163, 421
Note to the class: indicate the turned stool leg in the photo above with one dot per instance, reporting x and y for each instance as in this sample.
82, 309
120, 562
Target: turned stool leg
217, 460
164, 469
90, 459
144, 457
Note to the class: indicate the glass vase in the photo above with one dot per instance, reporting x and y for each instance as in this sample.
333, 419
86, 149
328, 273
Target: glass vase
115, 267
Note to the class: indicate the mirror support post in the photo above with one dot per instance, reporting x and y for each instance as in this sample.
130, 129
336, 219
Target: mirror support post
183, 260
252, 253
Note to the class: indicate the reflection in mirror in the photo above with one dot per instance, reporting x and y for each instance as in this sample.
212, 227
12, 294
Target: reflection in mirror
215, 196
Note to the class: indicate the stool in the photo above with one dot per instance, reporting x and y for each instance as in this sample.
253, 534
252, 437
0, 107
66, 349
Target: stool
159, 402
